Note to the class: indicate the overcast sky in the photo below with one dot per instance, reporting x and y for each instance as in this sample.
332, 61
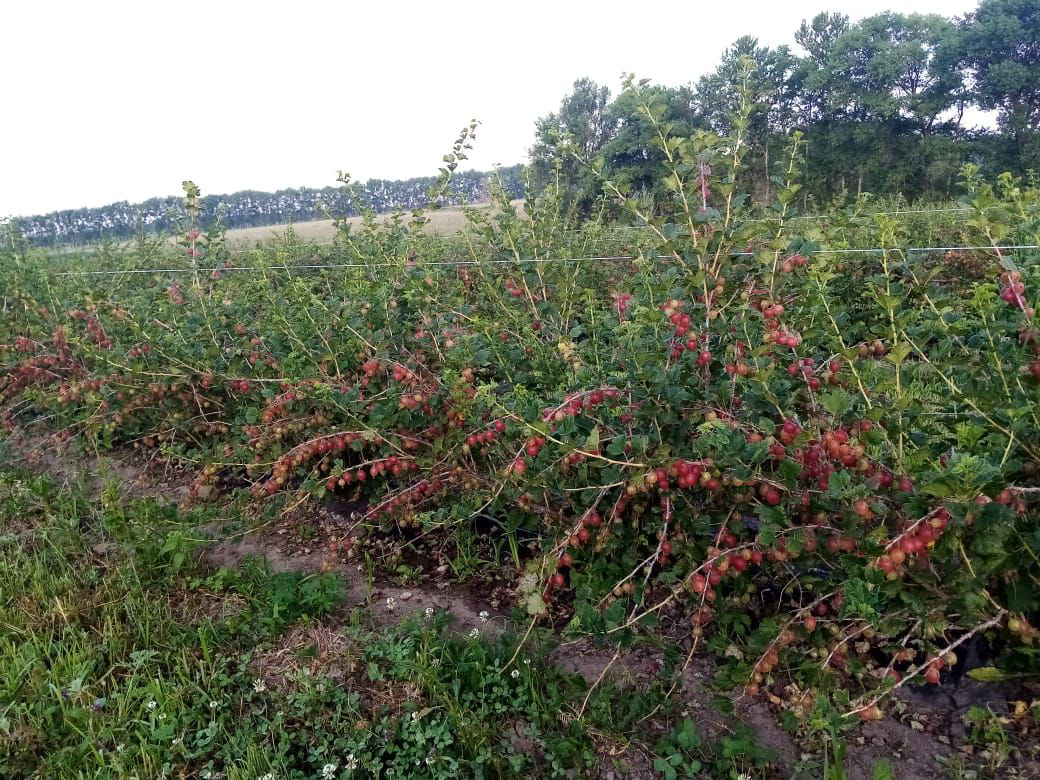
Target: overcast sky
107, 101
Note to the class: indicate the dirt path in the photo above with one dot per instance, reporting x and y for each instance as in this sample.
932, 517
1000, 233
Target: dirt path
918, 742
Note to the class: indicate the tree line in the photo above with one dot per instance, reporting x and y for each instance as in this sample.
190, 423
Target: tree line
250, 208
889, 104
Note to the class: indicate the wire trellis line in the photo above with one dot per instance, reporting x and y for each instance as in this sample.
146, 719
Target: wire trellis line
520, 261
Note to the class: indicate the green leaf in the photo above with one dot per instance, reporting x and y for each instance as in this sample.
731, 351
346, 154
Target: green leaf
898, 353
535, 604
940, 488
838, 483
686, 735
667, 771
882, 770
987, 674
770, 521
837, 402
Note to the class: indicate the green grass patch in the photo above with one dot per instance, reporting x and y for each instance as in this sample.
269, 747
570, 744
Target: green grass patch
120, 657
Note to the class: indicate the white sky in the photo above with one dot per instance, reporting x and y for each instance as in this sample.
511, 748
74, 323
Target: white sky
107, 101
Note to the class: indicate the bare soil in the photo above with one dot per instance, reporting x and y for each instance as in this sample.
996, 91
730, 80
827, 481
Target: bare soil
922, 740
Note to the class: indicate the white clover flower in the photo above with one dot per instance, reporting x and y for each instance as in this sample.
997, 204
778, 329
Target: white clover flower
259, 686
162, 716
474, 633
213, 705
484, 616
350, 763
429, 613
328, 771
515, 673
390, 603
152, 704
527, 662
120, 748
268, 776
415, 717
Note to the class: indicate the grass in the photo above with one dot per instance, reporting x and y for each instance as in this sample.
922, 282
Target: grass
121, 657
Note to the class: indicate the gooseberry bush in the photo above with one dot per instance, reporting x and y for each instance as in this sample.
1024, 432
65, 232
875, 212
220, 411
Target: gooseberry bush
716, 423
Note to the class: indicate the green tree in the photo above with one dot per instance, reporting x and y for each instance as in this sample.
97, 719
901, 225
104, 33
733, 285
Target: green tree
581, 126
872, 93
817, 38
1000, 46
631, 158
894, 68
774, 89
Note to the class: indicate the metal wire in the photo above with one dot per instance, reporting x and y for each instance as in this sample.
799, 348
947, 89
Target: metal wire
514, 261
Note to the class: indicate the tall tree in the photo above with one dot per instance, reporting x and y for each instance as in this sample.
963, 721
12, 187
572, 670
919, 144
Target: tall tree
632, 158
896, 67
1000, 45
817, 38
584, 123
872, 92
772, 85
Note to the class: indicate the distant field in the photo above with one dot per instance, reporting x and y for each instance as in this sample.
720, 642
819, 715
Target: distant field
444, 221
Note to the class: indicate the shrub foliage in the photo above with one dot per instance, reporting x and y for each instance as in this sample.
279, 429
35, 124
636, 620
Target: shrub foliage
728, 421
